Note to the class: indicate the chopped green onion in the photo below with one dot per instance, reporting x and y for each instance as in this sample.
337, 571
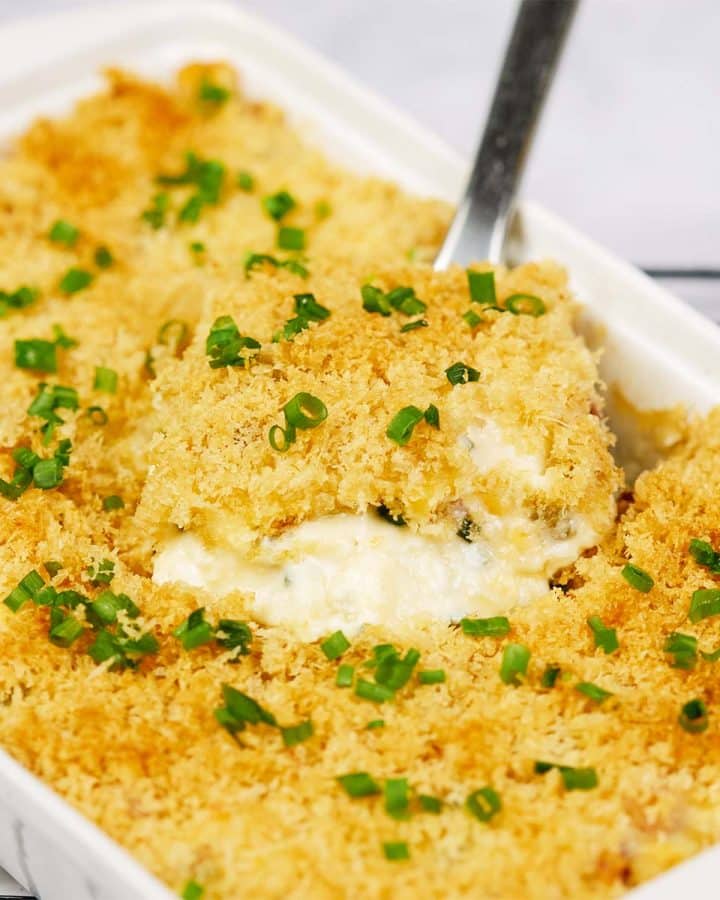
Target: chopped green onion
296, 734
405, 301
101, 572
375, 723
694, 717
550, 676
713, 656
431, 676
495, 626
683, 648
307, 306
472, 318
97, 415
525, 305
390, 517
26, 589
411, 326
281, 438
233, 634
637, 578
376, 693
396, 851
63, 232
703, 554
155, 215
213, 93
48, 474
19, 299
430, 804
224, 343
62, 339
393, 671
105, 380
253, 260
460, 373
278, 205
174, 333
241, 710
345, 675
582, 779
482, 286
432, 416
514, 663
36, 354
103, 258
397, 798
403, 424
358, 784
593, 691
52, 567
245, 181
192, 891
335, 645
704, 603
290, 238
484, 804
605, 638
305, 411
190, 212
75, 280
194, 631
374, 300
64, 630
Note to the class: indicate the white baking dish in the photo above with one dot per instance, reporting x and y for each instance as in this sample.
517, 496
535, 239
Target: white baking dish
657, 349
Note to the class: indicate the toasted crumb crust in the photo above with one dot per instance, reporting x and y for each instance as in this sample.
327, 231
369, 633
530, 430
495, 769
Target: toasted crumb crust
139, 751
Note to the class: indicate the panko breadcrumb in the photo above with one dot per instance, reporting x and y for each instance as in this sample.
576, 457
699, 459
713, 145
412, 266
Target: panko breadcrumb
138, 750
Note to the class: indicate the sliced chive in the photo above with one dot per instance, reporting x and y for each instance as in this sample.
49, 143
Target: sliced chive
215, 94
393, 671
192, 891
296, 734
305, 411
703, 554
278, 205
495, 626
52, 567
375, 723
97, 415
704, 604
482, 286
101, 572
290, 238
593, 691
241, 710
460, 373
430, 804
694, 717
75, 280
397, 798
63, 232
103, 258
514, 663
376, 693
406, 301
403, 424
358, 784
396, 851
412, 326
472, 318
194, 631
190, 212
48, 474
605, 638
106, 380
307, 307
683, 648
345, 675
550, 676
233, 634
174, 333
65, 630
335, 645
36, 354
224, 344
432, 416
245, 181
637, 578
713, 656
253, 260
281, 438
525, 305
112, 502
432, 676
484, 804
26, 589
374, 300
583, 779
155, 214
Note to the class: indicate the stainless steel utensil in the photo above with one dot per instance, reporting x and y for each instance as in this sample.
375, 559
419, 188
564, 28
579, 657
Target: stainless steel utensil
478, 230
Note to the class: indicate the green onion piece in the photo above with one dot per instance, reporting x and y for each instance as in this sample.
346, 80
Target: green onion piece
245, 181
52, 567
430, 804
472, 318
374, 300
713, 656
280, 439
192, 891
390, 517
460, 373
605, 638
396, 851
63, 232
240, 710
213, 93
432, 416
482, 286
194, 631
307, 306
224, 343
376, 693
694, 717
550, 676
397, 798
75, 280
431, 676
525, 305
174, 333
296, 734
637, 578
155, 215
62, 339
190, 212
375, 723
593, 691
578, 779
253, 260
105, 380
405, 301
335, 645
345, 675
483, 804
278, 205
305, 411
65, 630
290, 238
97, 415
36, 354
495, 626
392, 671
704, 603
411, 326
27, 589
358, 784
403, 424
48, 474
112, 502
101, 572
232, 634
703, 554
683, 648
514, 663
103, 258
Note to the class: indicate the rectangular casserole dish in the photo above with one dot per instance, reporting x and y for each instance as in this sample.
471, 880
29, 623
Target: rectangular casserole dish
657, 350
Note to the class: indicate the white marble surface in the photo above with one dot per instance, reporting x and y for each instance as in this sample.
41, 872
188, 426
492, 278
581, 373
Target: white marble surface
630, 144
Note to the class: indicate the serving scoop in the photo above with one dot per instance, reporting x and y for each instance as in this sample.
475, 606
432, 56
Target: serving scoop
481, 221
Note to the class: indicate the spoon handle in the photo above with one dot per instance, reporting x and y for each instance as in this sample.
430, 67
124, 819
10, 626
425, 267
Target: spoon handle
478, 230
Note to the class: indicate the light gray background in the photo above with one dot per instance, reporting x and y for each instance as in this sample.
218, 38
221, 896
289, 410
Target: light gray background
629, 149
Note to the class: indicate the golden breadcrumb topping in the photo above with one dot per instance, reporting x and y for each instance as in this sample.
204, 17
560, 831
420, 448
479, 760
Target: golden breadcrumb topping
133, 742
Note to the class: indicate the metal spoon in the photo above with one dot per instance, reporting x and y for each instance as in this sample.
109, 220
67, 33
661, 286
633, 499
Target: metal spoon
478, 230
